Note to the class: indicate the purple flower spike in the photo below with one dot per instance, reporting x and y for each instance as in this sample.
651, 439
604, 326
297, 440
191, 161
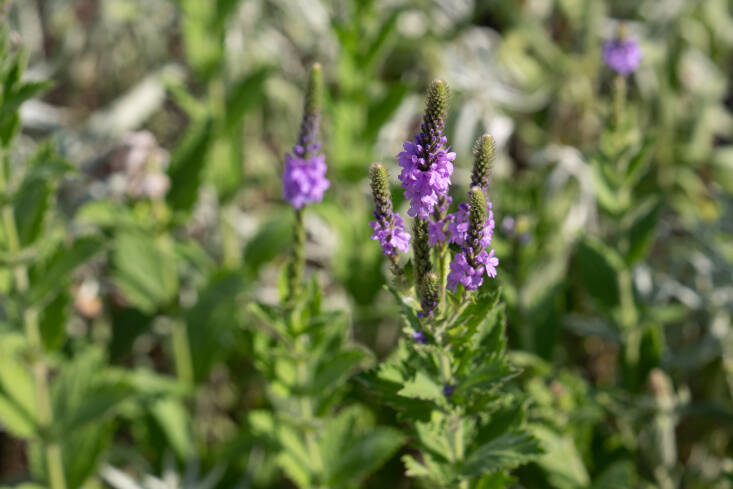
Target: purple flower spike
304, 176
391, 234
470, 264
448, 390
304, 180
622, 55
388, 226
427, 163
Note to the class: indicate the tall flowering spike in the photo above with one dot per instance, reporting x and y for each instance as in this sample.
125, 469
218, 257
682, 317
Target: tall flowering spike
304, 178
623, 54
470, 264
476, 217
483, 151
426, 163
388, 227
429, 294
421, 251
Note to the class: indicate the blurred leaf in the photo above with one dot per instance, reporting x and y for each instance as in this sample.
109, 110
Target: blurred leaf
641, 232
598, 267
145, 270
211, 323
335, 369
505, 452
30, 208
51, 276
244, 94
363, 455
561, 461
53, 321
272, 239
176, 424
187, 164
17, 399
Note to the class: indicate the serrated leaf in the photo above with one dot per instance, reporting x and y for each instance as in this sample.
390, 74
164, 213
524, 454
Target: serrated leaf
561, 461
421, 387
508, 451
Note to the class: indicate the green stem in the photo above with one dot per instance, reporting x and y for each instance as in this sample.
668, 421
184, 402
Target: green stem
54, 458
619, 100
297, 263
182, 353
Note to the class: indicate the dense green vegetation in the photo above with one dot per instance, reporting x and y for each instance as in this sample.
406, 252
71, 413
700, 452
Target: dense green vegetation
168, 320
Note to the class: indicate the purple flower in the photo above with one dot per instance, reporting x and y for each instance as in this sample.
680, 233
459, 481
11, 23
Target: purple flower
425, 176
427, 163
304, 180
458, 225
461, 272
388, 226
622, 55
437, 232
448, 389
391, 233
419, 337
470, 264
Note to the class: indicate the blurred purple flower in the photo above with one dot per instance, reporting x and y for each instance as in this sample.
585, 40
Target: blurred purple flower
419, 337
304, 180
622, 55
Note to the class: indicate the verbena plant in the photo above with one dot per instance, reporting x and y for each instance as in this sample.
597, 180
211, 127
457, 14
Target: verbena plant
448, 376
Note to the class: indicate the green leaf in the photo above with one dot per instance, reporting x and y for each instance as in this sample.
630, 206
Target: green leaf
336, 368
363, 455
53, 321
244, 94
271, 240
422, 387
641, 232
508, 451
187, 164
598, 267
145, 270
619, 474
16, 382
30, 206
53, 275
561, 461
175, 422
211, 324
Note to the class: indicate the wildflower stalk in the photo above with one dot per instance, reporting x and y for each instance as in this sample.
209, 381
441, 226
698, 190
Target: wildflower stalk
39, 367
297, 258
304, 180
421, 253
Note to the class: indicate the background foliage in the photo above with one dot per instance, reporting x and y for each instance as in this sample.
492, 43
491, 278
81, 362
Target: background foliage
142, 143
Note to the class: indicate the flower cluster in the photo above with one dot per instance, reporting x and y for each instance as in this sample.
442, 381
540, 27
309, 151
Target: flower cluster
388, 226
470, 264
304, 175
622, 55
427, 163
427, 167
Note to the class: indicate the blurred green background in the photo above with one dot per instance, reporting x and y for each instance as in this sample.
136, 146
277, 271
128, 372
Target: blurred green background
169, 121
